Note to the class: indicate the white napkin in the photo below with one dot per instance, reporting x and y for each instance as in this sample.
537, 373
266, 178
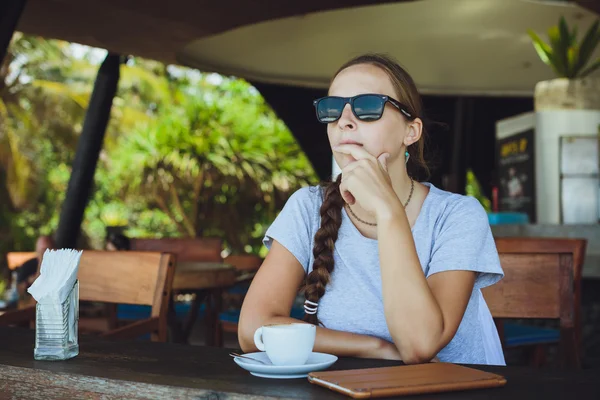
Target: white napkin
57, 276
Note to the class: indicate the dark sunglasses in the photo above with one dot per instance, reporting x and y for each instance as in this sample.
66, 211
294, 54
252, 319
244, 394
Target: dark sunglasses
366, 107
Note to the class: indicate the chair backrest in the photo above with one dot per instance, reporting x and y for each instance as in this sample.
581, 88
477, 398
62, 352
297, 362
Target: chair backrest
185, 249
577, 247
16, 258
245, 262
127, 277
542, 278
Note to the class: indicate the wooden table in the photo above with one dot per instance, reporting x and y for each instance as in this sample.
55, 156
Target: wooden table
203, 275
148, 370
206, 280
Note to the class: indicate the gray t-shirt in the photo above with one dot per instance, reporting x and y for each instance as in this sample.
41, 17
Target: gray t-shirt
451, 233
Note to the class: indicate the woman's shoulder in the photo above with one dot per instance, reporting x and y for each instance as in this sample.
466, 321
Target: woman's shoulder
451, 205
307, 197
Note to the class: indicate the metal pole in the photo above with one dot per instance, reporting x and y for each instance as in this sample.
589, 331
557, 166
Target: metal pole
88, 152
10, 12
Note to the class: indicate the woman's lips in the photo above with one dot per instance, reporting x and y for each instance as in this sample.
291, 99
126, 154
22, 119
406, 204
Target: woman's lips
350, 142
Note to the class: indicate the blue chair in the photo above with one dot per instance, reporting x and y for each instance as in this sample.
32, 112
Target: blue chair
137, 312
516, 334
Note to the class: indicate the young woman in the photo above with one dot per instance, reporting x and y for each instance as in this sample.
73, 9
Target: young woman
390, 267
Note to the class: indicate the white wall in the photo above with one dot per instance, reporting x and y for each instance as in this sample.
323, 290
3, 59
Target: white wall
550, 126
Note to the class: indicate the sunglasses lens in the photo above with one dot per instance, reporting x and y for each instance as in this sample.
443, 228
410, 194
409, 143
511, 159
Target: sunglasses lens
369, 107
329, 109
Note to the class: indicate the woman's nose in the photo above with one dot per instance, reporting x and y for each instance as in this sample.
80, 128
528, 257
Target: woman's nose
347, 119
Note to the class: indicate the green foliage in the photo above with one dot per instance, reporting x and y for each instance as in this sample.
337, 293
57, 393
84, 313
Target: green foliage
185, 153
567, 57
473, 189
217, 163
37, 133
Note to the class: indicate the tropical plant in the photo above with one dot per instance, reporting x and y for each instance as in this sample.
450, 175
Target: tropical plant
563, 53
218, 163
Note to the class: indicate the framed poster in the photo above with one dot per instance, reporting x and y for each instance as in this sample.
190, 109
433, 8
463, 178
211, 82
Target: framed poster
516, 173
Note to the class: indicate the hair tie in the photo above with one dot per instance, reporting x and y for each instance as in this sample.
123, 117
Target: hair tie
310, 310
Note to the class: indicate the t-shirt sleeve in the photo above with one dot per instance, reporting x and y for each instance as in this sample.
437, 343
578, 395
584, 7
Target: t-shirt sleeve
294, 227
464, 241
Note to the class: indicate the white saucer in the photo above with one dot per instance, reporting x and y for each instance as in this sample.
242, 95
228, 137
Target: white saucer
316, 362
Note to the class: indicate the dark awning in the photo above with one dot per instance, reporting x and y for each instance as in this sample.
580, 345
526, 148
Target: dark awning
449, 46
158, 29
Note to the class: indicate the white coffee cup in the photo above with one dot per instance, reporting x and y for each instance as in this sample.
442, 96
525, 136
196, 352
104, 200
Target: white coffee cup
286, 344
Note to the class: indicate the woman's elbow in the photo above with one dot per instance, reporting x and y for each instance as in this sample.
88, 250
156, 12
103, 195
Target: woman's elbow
419, 346
416, 357
246, 336
246, 345
418, 353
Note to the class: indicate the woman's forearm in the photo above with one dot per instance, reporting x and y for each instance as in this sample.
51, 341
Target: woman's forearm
343, 344
413, 316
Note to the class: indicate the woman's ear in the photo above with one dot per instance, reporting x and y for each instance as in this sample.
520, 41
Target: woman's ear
415, 130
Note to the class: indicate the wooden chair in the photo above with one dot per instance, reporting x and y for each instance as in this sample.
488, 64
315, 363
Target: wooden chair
201, 249
542, 281
15, 259
143, 278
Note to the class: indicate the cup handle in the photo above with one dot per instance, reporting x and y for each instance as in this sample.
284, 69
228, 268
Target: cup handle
258, 339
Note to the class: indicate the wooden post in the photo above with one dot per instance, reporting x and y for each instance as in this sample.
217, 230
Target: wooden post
10, 12
453, 180
88, 151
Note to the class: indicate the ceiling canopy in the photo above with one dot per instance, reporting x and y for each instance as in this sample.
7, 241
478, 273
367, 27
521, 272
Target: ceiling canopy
449, 46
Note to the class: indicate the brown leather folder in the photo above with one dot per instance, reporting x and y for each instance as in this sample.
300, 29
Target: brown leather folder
405, 380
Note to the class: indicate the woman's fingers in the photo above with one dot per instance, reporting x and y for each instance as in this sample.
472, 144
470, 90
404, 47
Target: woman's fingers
357, 152
346, 195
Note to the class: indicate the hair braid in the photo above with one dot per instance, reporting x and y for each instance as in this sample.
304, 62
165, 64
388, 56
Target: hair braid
325, 238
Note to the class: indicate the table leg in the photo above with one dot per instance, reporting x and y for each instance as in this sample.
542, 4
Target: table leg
218, 329
175, 329
192, 316
111, 315
212, 317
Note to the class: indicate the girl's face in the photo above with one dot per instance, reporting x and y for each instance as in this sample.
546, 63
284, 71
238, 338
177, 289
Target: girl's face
389, 134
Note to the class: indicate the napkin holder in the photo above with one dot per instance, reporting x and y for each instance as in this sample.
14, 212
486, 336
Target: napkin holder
56, 327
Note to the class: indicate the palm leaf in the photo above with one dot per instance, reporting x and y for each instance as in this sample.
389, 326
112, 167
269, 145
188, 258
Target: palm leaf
572, 60
132, 75
588, 45
61, 89
595, 65
565, 35
130, 117
573, 37
559, 52
543, 50
17, 165
23, 117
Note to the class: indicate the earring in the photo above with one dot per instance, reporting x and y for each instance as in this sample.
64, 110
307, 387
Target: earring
407, 156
